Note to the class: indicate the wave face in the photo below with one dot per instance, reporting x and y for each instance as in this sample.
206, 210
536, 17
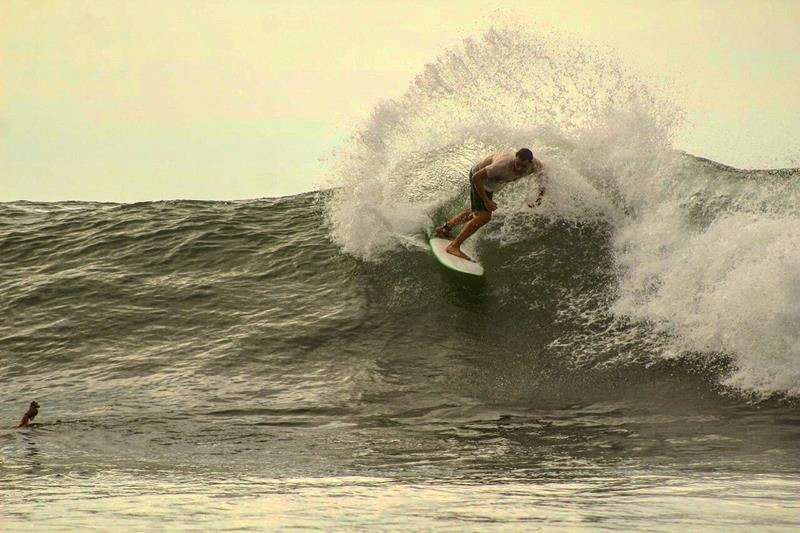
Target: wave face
641, 254
302, 361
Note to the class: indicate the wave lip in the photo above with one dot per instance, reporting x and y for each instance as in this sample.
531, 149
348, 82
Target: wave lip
703, 256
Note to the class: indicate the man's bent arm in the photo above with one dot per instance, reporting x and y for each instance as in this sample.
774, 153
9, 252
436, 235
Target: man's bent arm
541, 177
538, 200
477, 182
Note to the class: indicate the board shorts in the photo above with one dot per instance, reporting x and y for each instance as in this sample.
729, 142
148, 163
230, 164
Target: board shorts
475, 200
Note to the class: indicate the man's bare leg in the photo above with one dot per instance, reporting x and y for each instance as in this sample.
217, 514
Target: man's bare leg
479, 219
457, 220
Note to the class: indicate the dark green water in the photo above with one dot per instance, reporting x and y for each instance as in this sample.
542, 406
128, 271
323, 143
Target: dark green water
223, 363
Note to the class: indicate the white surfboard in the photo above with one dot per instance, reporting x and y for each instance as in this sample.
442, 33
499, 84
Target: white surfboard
452, 262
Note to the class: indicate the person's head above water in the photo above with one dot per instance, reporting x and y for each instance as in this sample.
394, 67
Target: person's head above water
33, 410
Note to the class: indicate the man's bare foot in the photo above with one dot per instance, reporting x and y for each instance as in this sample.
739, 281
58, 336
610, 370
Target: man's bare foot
456, 251
443, 233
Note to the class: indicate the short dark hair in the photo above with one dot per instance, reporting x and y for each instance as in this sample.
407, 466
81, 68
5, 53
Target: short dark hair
525, 154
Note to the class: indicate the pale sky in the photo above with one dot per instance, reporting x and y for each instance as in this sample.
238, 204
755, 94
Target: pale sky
123, 100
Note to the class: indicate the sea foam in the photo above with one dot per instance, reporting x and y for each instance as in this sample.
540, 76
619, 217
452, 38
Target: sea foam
707, 257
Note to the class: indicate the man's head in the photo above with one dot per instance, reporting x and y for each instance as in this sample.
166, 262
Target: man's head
525, 154
524, 160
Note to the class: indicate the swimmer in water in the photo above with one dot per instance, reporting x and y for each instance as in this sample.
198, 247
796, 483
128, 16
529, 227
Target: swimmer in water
33, 410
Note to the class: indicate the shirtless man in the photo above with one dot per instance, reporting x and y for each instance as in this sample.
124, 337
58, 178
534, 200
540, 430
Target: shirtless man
486, 178
33, 410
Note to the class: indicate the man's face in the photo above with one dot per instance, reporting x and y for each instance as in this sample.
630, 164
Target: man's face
521, 165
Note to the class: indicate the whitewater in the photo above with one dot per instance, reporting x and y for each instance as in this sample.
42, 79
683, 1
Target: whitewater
631, 360
705, 256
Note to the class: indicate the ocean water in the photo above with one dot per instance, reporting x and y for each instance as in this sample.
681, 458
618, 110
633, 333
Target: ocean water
631, 360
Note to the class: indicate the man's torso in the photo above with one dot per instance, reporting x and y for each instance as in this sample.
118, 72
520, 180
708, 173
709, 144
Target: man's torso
499, 170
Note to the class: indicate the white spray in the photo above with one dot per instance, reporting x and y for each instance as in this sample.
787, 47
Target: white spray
707, 257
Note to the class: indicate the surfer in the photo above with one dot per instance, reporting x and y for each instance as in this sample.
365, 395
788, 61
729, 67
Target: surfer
486, 178
33, 410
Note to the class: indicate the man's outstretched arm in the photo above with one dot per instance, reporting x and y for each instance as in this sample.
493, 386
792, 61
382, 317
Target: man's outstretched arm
542, 179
